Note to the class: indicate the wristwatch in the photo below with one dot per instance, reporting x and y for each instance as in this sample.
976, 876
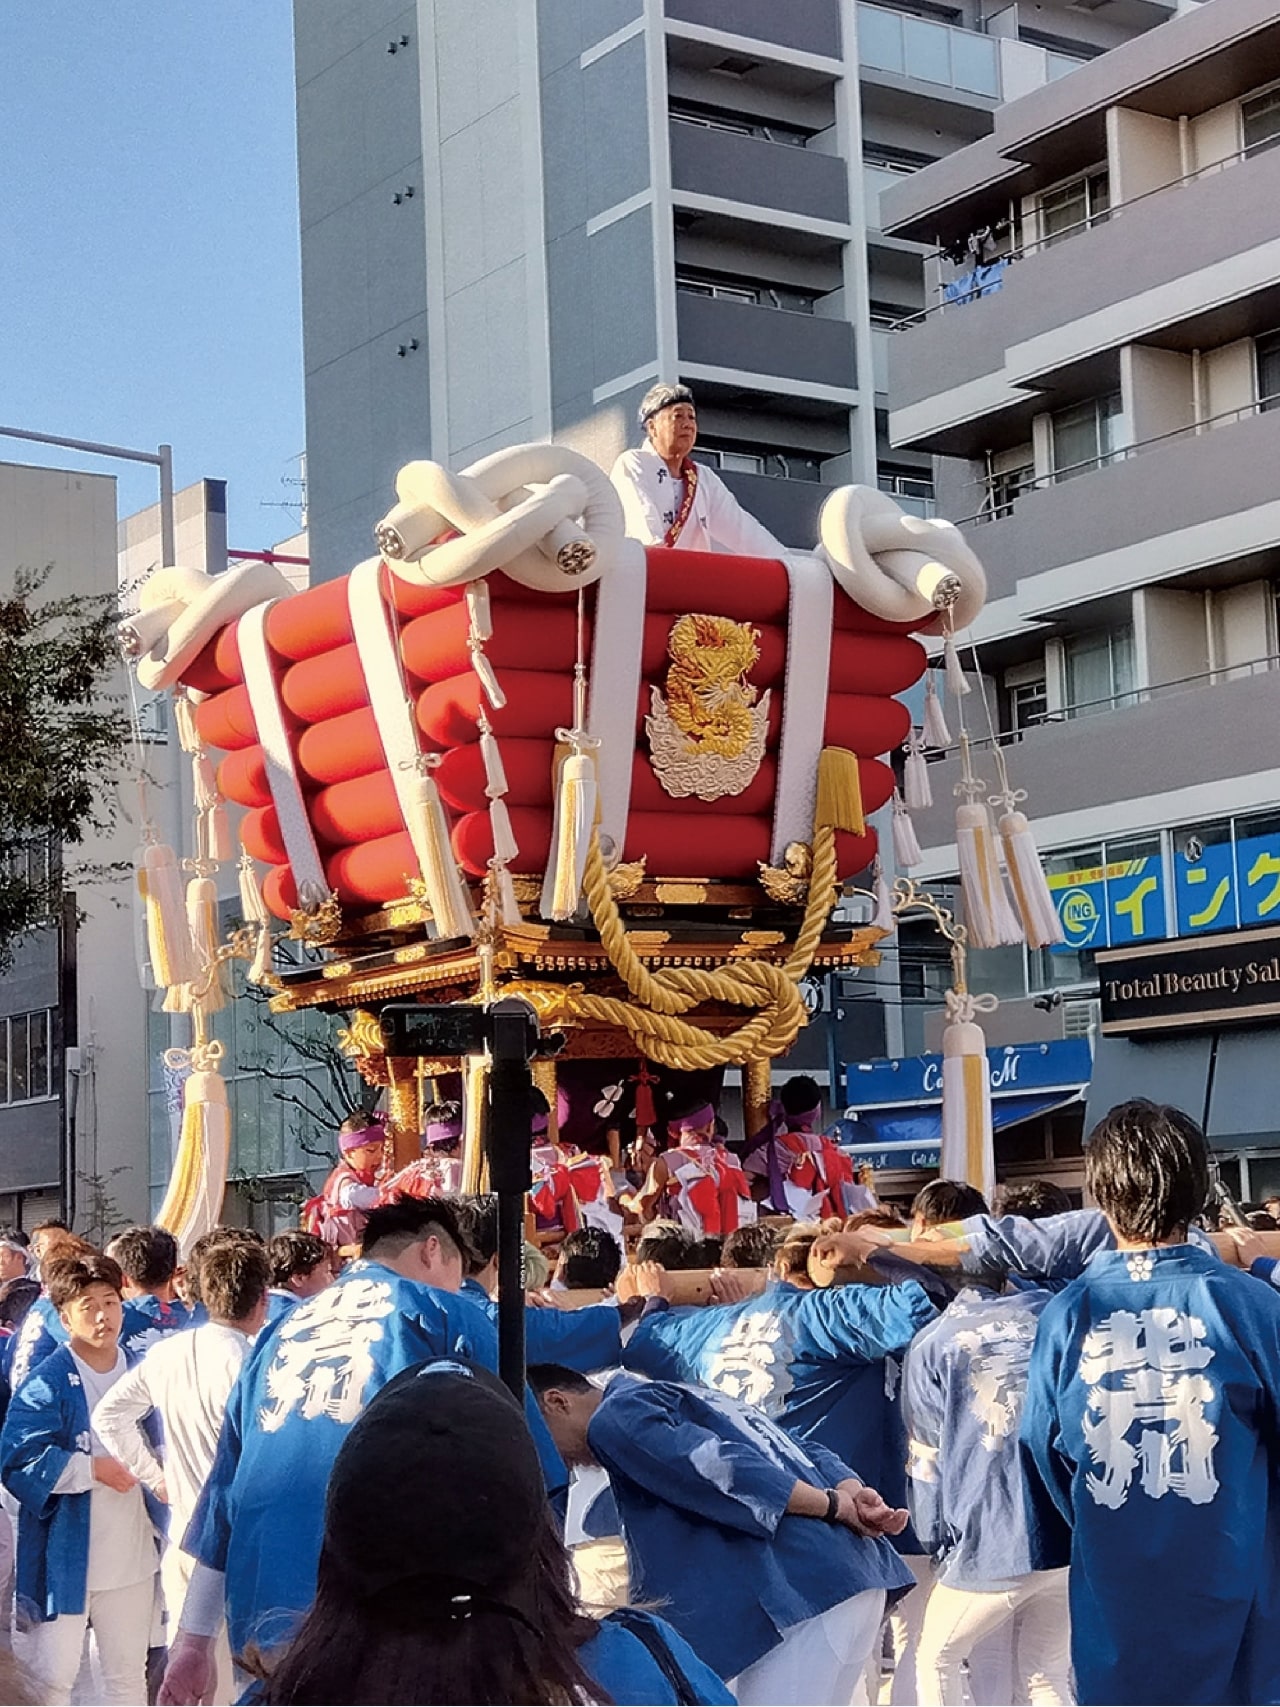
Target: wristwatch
833, 1505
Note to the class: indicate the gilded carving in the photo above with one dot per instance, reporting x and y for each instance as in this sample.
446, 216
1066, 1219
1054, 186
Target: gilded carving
707, 737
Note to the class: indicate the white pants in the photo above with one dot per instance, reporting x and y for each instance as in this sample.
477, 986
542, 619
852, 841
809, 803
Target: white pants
121, 1622
817, 1663
956, 1620
175, 1578
906, 1621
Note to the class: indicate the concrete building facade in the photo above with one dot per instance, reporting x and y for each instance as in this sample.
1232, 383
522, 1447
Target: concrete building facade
1106, 398
516, 214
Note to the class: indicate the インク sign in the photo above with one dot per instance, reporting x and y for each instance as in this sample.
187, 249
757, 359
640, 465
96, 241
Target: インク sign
1219, 980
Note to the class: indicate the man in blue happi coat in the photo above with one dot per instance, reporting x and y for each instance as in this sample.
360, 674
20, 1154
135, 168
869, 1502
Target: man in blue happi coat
257, 1528
963, 1389
767, 1555
148, 1258
1151, 1438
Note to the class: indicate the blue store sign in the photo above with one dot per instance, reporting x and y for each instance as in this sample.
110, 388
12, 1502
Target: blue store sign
1107, 906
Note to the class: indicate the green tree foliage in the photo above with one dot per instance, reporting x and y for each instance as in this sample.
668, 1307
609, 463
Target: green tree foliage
63, 735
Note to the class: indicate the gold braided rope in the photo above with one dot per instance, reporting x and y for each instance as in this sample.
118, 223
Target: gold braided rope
653, 1019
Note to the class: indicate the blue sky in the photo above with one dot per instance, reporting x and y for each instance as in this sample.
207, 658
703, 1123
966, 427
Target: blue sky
149, 242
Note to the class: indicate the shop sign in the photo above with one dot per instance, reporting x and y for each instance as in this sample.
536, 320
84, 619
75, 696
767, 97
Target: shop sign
1105, 906
1224, 883
1219, 980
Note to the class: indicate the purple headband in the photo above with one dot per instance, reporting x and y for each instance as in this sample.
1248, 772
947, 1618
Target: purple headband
695, 1120
374, 1133
805, 1121
442, 1131
540, 1124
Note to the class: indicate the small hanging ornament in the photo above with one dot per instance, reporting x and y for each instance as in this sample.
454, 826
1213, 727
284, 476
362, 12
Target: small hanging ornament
906, 848
968, 1147
916, 787
884, 919
936, 733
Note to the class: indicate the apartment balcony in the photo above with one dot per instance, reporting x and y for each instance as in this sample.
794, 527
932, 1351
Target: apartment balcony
1087, 292
1171, 507
747, 169
772, 341
788, 508
810, 26
928, 52
1174, 739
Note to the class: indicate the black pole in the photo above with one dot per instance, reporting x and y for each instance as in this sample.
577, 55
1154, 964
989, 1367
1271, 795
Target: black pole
510, 1174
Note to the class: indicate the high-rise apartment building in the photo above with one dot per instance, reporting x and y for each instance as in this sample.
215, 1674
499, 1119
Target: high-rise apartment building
516, 214
1106, 387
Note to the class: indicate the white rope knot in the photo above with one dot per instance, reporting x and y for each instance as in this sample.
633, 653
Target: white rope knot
1007, 797
200, 1058
963, 1007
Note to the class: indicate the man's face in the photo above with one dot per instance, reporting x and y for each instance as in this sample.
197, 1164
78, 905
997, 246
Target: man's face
13, 1264
94, 1317
314, 1280
697, 1134
568, 1416
365, 1157
673, 431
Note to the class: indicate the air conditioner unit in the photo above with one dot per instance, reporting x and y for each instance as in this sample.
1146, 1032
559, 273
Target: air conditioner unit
1080, 1018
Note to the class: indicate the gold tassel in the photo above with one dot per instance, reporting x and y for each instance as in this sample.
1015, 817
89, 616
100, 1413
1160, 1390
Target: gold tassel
207, 991
1031, 895
184, 718
141, 952
173, 960
575, 815
839, 792
507, 906
428, 826
968, 1148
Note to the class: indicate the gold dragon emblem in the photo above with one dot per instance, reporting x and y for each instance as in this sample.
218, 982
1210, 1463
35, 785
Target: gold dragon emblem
707, 737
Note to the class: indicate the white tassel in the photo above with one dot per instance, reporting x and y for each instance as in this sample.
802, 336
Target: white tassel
205, 782
478, 611
991, 921
1031, 895
253, 908
884, 919
957, 681
494, 771
213, 836
575, 816
141, 952
207, 992
184, 718
916, 787
508, 907
428, 826
488, 680
173, 960
260, 966
968, 1148
906, 848
193, 1202
936, 733
504, 840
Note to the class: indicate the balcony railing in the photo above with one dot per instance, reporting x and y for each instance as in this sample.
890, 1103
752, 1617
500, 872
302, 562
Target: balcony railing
1000, 501
935, 53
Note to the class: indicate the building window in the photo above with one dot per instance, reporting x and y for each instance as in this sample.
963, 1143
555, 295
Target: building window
739, 124
911, 487
726, 288
1099, 670
1028, 703
738, 458
26, 1074
1086, 436
1267, 358
885, 316
1073, 207
1260, 122
1005, 486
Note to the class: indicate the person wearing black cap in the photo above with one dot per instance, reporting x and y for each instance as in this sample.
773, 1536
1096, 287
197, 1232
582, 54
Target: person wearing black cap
257, 1527
668, 499
446, 1581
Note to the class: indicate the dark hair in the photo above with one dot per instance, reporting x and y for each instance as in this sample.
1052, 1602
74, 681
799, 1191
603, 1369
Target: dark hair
542, 1377
682, 1107
948, 1200
410, 1221
667, 1243
1033, 1199
234, 1277
750, 1247
792, 1254
72, 1276
294, 1253
800, 1095
55, 1224
883, 1215
205, 1243
15, 1236
16, 1298
477, 1216
1261, 1222
389, 1648
706, 1251
589, 1257
63, 1246
360, 1121
148, 1256
1147, 1166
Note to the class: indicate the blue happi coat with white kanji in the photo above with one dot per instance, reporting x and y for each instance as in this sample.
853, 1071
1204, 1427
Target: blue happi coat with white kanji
1050, 1252
824, 1364
306, 1380
148, 1319
46, 1426
702, 1483
39, 1334
1151, 1447
964, 1383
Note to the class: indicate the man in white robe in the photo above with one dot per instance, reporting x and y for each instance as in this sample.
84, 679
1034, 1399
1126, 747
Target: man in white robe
670, 500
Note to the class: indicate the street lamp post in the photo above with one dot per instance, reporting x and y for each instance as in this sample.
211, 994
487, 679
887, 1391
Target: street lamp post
161, 458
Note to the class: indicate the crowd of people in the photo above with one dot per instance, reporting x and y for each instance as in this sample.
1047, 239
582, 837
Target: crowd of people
1025, 1456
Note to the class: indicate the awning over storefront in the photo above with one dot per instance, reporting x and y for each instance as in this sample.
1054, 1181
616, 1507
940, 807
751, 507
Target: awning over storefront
1244, 1100
894, 1116
1165, 1069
